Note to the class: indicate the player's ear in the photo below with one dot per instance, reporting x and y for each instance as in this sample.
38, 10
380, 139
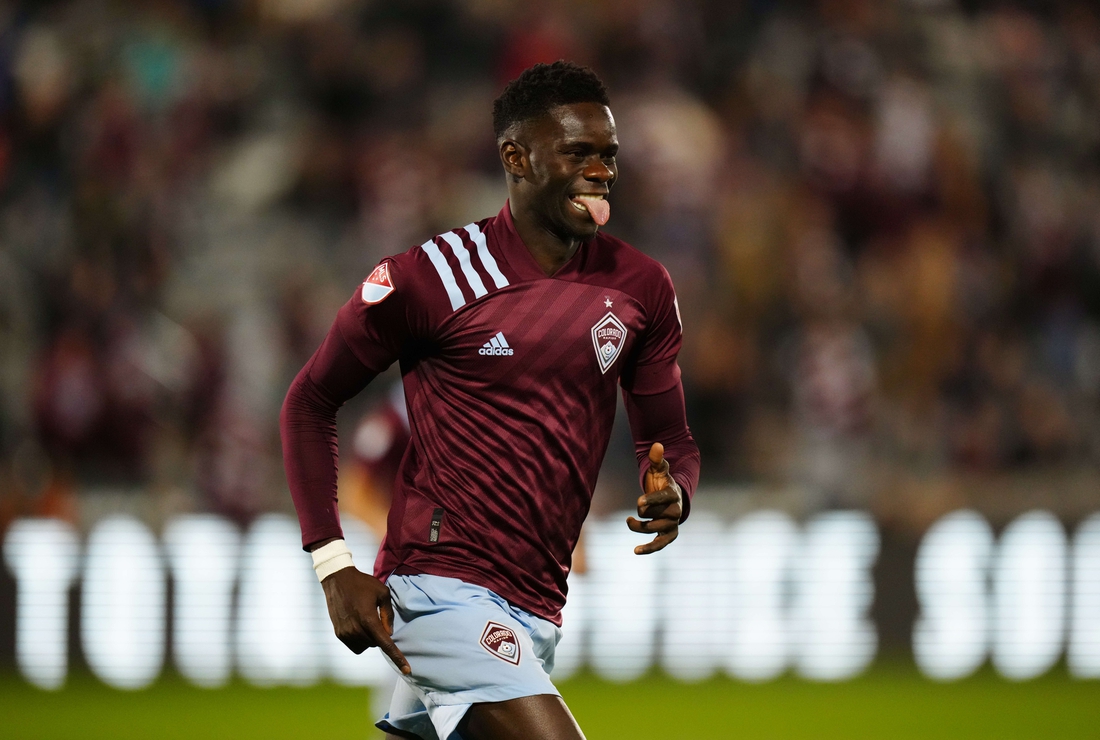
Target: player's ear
513, 156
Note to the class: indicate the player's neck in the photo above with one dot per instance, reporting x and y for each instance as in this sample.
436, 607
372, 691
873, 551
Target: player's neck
549, 249
552, 255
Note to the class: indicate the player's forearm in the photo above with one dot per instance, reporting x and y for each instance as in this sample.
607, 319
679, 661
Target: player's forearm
308, 426
662, 418
310, 455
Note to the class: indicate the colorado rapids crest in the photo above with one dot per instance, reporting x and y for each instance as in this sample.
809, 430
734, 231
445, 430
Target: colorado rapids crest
501, 641
608, 337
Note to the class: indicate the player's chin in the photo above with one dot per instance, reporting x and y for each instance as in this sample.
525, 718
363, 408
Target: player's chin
581, 225
588, 232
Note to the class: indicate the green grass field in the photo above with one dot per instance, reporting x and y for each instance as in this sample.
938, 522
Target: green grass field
890, 702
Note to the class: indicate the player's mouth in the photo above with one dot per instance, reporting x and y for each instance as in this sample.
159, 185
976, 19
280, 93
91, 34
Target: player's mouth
594, 204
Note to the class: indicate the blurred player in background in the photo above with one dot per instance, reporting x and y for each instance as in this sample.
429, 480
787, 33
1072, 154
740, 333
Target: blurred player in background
514, 335
380, 441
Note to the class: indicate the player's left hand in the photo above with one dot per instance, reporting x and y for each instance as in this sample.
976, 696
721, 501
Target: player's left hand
662, 504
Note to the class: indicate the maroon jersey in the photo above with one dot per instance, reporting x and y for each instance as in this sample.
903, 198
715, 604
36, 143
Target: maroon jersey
510, 378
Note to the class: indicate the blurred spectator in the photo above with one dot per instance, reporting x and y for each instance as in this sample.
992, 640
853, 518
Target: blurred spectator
882, 219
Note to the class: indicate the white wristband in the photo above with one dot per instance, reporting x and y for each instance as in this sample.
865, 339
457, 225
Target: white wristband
332, 557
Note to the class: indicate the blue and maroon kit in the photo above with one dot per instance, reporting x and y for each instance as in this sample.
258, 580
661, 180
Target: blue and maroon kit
510, 377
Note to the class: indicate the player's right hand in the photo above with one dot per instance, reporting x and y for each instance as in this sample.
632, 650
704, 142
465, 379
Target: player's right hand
361, 613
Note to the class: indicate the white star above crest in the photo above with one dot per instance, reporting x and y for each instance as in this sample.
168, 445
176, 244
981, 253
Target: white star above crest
607, 301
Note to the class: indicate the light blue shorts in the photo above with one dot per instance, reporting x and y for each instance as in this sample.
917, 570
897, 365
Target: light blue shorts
465, 645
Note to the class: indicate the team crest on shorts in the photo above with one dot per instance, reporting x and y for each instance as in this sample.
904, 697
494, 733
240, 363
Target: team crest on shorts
501, 641
608, 337
378, 285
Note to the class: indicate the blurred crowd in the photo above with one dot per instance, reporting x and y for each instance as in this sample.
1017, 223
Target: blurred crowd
882, 217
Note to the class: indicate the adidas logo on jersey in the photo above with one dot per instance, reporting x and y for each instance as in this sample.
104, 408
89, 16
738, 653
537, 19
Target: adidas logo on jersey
498, 345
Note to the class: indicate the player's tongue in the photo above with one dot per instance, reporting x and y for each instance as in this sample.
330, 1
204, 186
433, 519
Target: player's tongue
598, 208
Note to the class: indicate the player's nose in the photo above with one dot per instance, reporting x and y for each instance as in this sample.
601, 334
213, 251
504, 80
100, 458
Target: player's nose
598, 172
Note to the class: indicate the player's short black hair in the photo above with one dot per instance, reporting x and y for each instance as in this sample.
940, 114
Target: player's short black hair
542, 87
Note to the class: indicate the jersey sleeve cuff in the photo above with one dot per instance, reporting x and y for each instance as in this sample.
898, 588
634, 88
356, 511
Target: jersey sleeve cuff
685, 504
321, 533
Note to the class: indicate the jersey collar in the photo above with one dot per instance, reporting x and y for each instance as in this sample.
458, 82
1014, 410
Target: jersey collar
519, 256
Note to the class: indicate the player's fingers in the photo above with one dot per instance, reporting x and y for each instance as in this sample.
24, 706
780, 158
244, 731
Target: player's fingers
385, 613
649, 527
387, 646
663, 497
356, 640
662, 526
659, 542
657, 462
671, 511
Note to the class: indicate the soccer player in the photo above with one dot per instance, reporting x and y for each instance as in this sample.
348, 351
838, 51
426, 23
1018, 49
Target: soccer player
514, 335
